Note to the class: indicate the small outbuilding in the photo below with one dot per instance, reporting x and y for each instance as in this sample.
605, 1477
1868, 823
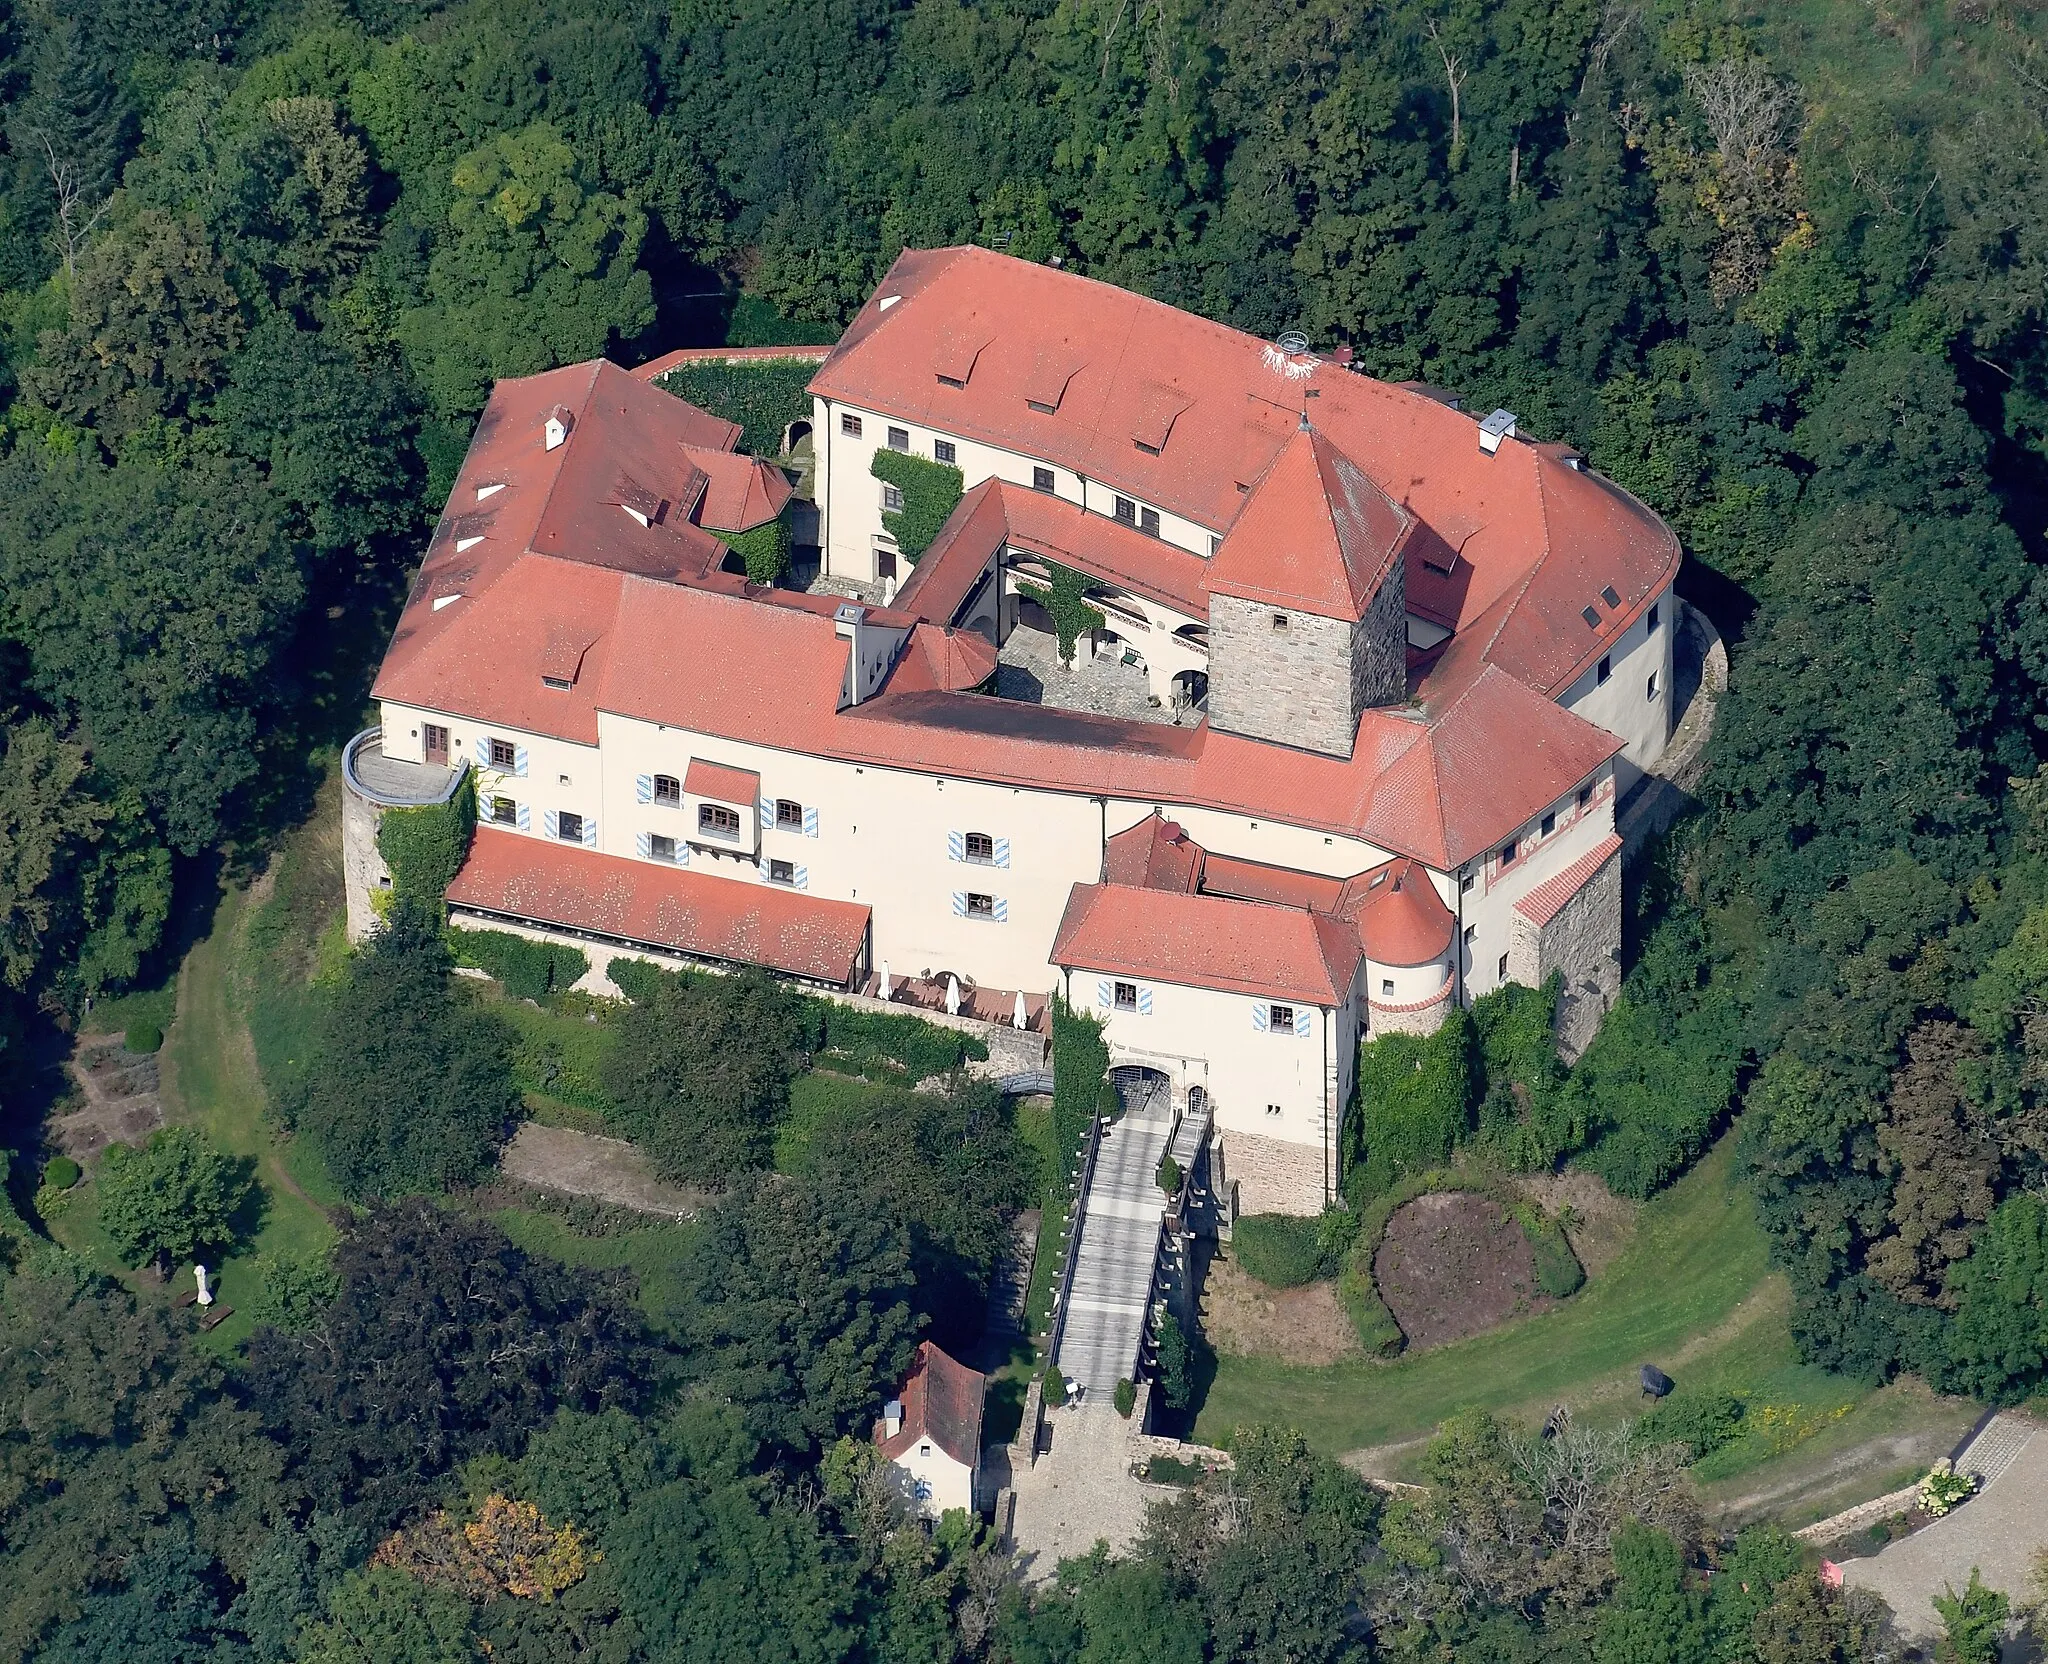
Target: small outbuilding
931, 1435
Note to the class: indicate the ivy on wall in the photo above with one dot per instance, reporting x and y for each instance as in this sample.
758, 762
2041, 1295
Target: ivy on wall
763, 396
765, 549
425, 847
931, 491
1067, 601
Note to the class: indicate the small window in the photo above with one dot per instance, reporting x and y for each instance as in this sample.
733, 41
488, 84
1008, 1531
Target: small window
782, 872
789, 817
1606, 670
569, 827
849, 425
1280, 1018
1279, 621
1650, 620
1650, 691
1549, 825
1503, 967
717, 820
1126, 996
661, 847
1041, 479
1507, 855
1387, 986
1127, 511
1465, 885
561, 684
504, 812
1607, 594
1585, 796
504, 754
924, 1450
885, 563
668, 790
892, 498
980, 847
981, 907
1215, 545
942, 450
1590, 616
899, 439
1148, 522
1471, 934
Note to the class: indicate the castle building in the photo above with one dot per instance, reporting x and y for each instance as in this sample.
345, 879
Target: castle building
1401, 663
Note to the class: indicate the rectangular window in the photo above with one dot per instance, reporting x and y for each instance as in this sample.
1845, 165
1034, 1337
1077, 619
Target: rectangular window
1280, 1019
1127, 511
504, 754
942, 450
1126, 996
1503, 967
981, 907
1606, 670
1650, 692
1650, 621
717, 821
1148, 522
1465, 884
849, 425
1507, 855
1387, 986
1041, 479
981, 847
892, 498
1585, 796
662, 847
789, 817
569, 828
885, 563
1279, 621
1549, 825
504, 812
782, 872
1471, 934
668, 790
899, 439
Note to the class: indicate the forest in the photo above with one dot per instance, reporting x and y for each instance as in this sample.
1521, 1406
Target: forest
1778, 269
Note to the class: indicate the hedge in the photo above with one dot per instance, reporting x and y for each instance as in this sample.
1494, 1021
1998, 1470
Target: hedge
764, 396
1702, 1422
61, 1173
1080, 1076
425, 847
143, 1038
931, 491
528, 969
764, 550
1279, 1249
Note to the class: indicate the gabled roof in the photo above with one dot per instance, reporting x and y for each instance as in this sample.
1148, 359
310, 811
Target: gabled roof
941, 1401
740, 492
1547, 900
1153, 855
1317, 535
721, 783
1239, 947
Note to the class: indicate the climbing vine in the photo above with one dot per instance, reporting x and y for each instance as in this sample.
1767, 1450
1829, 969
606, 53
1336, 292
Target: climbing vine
1067, 601
765, 549
931, 491
425, 847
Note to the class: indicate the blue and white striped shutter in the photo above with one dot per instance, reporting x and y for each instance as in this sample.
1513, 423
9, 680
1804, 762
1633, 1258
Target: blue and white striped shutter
959, 904
767, 814
1105, 993
549, 824
1144, 1000
526, 817
682, 855
519, 761
1259, 1017
643, 788
1002, 852
1002, 909
810, 822
803, 878
644, 843
956, 846
1302, 1022
589, 833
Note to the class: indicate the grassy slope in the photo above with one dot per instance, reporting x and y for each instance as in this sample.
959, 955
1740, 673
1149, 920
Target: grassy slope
1693, 1293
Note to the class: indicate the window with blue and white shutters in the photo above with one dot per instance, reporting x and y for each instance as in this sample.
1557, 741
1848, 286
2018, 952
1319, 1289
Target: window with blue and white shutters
968, 904
810, 821
1283, 1019
1141, 993
590, 832
978, 849
643, 792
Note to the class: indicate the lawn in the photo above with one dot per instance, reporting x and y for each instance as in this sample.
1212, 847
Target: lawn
813, 1099
652, 1249
1693, 1293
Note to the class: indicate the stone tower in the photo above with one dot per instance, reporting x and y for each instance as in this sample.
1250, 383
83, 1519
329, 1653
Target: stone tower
1308, 607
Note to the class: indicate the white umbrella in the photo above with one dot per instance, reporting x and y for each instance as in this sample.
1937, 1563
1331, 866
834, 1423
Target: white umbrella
1017, 1017
952, 995
885, 979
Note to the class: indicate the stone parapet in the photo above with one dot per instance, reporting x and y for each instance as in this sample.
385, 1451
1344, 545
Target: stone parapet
1275, 1175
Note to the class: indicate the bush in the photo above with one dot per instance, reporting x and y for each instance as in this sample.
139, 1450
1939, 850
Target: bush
888, 1043
1171, 1470
763, 396
1055, 1386
1279, 1249
931, 491
1527, 1119
1176, 1366
1170, 1175
637, 979
764, 550
1558, 1272
143, 1039
529, 970
61, 1173
1413, 1105
1702, 1422
170, 1199
1126, 1397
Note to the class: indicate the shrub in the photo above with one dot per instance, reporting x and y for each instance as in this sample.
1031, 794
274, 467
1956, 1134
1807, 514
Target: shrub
637, 979
1413, 1102
61, 1173
425, 847
1558, 1272
764, 550
292, 1290
1176, 1365
1066, 600
931, 491
1170, 1175
143, 1039
1171, 1470
1126, 1397
1527, 1119
1279, 1249
1055, 1386
763, 396
1080, 1069
529, 970
888, 1043
169, 1199
1702, 1422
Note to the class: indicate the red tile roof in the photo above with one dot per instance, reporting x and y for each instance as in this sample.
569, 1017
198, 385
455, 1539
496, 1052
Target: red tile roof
1154, 855
727, 919
942, 1402
1398, 915
740, 492
723, 784
1547, 900
1227, 875
1242, 947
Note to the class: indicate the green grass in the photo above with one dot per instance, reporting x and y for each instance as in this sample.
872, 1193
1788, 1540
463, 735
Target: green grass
814, 1099
1693, 1293
140, 1005
653, 1251
558, 1052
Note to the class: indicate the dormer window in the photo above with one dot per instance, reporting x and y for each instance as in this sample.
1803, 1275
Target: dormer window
1148, 521
561, 684
1607, 594
490, 490
463, 543
1127, 511
556, 429
646, 507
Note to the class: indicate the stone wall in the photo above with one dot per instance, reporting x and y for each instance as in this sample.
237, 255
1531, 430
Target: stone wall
1379, 647
1274, 1175
1291, 686
1583, 942
362, 865
1423, 1017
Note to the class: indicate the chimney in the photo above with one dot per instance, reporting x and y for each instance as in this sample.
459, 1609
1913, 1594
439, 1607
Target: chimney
560, 420
1500, 425
892, 1418
848, 624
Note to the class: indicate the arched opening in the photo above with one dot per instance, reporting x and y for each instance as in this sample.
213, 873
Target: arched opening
792, 435
1031, 615
1140, 1088
1191, 690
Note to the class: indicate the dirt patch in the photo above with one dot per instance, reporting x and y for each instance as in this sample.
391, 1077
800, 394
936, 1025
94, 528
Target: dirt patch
582, 1164
1246, 1319
122, 1093
1597, 1223
1454, 1264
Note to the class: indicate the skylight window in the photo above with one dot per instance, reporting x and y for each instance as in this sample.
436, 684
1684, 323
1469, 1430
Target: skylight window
1607, 594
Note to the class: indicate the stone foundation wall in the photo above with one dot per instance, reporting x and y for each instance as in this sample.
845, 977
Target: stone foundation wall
1274, 1175
1425, 1017
362, 866
1583, 942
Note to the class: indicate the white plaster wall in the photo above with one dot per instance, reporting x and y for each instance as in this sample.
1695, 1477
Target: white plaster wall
559, 773
1405, 984
1622, 704
1275, 843
949, 1484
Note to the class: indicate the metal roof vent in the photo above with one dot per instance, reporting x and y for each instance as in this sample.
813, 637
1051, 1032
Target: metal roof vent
1500, 425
